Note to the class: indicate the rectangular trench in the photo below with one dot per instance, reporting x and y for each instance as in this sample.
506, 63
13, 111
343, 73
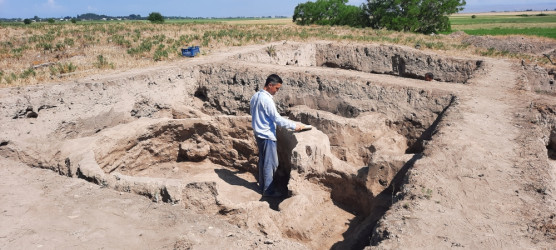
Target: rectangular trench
411, 112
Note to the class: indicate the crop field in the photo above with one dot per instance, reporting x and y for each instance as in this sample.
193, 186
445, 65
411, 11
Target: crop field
539, 24
42, 52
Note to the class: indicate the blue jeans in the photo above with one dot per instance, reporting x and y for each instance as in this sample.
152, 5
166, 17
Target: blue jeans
268, 163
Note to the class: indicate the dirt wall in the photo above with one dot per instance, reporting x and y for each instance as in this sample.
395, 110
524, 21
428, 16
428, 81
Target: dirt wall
378, 59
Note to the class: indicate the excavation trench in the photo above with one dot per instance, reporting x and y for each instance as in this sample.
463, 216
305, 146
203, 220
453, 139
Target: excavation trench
547, 119
336, 174
200, 151
379, 59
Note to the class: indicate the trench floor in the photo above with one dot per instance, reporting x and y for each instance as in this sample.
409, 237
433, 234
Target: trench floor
307, 215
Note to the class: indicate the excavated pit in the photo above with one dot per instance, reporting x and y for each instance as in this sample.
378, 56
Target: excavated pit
367, 136
201, 152
367, 153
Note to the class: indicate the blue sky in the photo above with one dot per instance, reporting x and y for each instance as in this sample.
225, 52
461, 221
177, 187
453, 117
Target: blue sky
209, 8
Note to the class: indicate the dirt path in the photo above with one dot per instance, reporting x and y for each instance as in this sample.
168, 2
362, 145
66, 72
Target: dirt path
473, 191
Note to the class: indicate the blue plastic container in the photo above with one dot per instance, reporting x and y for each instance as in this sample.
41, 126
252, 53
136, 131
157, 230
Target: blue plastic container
191, 51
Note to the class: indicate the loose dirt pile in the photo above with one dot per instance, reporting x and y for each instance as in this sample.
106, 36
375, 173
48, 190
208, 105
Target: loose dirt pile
394, 162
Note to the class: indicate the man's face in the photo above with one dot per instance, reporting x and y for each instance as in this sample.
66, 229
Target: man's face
272, 89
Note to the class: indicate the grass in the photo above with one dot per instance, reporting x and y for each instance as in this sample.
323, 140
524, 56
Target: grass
271, 50
427, 193
84, 47
545, 32
513, 19
102, 63
524, 24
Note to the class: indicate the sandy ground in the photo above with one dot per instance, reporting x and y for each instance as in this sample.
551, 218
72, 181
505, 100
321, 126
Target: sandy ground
43, 210
475, 183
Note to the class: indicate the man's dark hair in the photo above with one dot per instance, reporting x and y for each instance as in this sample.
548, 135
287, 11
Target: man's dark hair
273, 79
429, 76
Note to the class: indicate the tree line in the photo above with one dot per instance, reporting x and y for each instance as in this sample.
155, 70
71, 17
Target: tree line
421, 16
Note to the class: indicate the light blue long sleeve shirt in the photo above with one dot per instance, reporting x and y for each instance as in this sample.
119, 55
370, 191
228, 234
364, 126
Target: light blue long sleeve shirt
265, 117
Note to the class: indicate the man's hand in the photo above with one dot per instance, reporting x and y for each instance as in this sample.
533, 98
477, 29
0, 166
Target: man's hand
299, 127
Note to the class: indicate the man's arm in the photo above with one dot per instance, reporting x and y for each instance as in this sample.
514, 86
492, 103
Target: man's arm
281, 121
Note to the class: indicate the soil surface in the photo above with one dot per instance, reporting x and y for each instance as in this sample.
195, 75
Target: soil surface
43, 210
481, 185
163, 158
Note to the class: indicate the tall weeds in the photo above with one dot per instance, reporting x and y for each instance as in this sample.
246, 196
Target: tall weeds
75, 48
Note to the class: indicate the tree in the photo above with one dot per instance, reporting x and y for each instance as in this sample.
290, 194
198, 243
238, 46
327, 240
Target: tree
27, 21
134, 17
352, 16
51, 20
329, 12
422, 16
91, 16
155, 17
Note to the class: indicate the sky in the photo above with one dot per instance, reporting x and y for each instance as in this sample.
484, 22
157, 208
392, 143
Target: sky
209, 8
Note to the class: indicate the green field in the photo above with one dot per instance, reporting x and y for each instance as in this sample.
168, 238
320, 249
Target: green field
545, 32
502, 19
532, 25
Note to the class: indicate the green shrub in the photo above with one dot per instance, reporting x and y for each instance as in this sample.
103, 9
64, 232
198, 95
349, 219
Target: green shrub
158, 38
155, 17
18, 52
271, 50
69, 41
11, 78
489, 52
27, 21
60, 46
44, 46
62, 68
160, 53
27, 73
136, 35
474, 16
102, 63
145, 46
51, 20
120, 40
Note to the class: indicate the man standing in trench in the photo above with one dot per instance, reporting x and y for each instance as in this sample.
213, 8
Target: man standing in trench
265, 117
